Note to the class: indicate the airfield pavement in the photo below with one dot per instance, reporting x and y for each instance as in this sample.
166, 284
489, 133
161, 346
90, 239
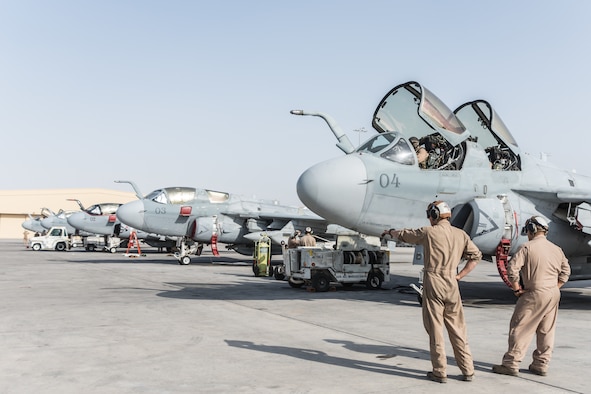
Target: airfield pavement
94, 322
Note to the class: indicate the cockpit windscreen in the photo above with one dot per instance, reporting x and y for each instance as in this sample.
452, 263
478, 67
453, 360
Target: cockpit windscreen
391, 147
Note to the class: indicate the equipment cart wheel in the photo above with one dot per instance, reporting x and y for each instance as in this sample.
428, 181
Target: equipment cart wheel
295, 283
113, 250
321, 282
36, 247
374, 280
279, 272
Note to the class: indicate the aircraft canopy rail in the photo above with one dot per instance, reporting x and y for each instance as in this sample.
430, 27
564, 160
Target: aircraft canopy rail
414, 111
491, 133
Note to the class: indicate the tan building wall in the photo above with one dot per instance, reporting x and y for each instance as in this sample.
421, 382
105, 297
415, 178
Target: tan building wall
16, 205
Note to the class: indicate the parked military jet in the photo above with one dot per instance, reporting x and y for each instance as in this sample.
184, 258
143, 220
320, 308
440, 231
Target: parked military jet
473, 163
34, 224
206, 217
60, 219
101, 219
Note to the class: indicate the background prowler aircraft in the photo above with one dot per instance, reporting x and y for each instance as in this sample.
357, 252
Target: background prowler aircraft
474, 164
200, 216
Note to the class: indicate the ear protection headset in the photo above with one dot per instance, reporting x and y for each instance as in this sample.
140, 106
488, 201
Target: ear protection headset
437, 210
532, 224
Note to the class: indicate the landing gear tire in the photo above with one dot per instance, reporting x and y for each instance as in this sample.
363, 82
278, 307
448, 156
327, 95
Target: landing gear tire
295, 283
321, 282
185, 260
374, 281
279, 272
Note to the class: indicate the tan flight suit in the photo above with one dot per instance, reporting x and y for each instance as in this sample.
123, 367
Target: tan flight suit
293, 242
542, 264
444, 247
308, 240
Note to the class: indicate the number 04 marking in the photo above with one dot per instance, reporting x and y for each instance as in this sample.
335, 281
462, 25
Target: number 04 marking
387, 180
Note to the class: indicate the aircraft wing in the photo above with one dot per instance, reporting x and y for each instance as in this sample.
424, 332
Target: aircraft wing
559, 196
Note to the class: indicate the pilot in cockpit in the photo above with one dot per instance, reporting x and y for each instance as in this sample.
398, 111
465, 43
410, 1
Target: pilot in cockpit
422, 153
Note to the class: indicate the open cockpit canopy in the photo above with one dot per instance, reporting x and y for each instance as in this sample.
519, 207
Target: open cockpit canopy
414, 111
488, 129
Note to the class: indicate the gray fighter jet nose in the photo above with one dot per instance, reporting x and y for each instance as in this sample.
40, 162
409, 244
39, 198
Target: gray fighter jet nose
132, 214
76, 220
335, 189
47, 223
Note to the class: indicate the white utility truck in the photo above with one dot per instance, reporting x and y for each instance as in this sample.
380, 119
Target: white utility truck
353, 258
57, 238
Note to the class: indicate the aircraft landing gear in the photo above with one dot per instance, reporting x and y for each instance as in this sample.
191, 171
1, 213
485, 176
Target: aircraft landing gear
185, 247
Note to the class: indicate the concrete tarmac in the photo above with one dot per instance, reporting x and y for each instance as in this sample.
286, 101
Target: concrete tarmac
93, 322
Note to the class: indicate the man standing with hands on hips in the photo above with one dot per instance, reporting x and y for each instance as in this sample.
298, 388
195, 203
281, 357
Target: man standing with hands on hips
543, 268
444, 247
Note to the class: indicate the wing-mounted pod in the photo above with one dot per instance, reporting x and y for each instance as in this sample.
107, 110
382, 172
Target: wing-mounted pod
488, 129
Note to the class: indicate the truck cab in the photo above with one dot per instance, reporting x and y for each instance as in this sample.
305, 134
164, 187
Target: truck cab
57, 238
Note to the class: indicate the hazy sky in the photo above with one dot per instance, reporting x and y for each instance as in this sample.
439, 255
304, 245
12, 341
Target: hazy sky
198, 93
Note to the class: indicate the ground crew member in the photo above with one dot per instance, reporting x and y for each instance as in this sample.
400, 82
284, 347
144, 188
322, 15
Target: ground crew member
444, 247
308, 239
26, 238
543, 268
294, 240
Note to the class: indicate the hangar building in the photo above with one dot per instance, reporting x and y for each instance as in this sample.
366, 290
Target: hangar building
17, 205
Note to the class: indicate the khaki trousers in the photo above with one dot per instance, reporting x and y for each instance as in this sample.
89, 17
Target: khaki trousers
535, 313
442, 306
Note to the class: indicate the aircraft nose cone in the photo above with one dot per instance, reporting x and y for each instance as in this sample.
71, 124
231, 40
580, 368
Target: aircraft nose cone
76, 220
132, 214
47, 223
335, 190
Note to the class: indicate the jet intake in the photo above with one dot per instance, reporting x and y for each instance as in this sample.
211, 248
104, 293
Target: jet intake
227, 230
486, 221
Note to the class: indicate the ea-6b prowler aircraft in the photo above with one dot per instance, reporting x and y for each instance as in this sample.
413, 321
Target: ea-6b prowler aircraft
51, 219
473, 163
34, 224
101, 219
200, 216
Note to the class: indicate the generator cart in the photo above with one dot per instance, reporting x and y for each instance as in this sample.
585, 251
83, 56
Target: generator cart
353, 258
